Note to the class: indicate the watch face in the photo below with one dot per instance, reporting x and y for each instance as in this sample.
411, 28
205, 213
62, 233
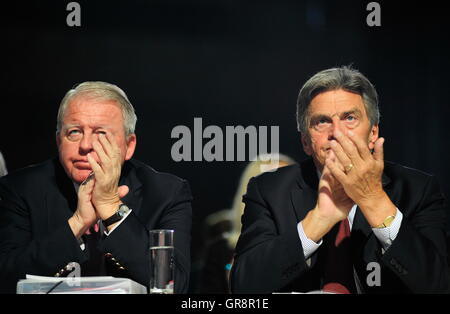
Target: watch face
122, 210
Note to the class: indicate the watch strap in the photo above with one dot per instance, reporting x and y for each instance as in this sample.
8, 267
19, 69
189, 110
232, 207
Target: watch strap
387, 222
116, 216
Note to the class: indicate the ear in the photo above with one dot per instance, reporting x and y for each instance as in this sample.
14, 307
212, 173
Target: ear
306, 142
131, 146
373, 136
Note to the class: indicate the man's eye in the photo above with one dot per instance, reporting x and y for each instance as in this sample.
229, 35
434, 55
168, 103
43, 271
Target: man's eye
322, 121
74, 135
101, 132
350, 118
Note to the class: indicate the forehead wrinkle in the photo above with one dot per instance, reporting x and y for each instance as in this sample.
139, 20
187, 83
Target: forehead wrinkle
78, 104
326, 115
91, 126
95, 114
92, 114
330, 102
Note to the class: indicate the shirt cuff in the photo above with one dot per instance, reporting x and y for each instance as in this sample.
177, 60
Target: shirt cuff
107, 233
387, 235
309, 246
81, 243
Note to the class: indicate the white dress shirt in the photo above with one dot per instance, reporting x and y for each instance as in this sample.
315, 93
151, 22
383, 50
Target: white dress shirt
385, 235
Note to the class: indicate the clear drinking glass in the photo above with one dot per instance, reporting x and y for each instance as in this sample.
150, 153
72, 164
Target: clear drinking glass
161, 261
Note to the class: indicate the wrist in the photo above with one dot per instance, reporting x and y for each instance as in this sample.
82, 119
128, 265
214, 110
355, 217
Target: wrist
77, 226
315, 225
112, 221
378, 209
373, 202
106, 210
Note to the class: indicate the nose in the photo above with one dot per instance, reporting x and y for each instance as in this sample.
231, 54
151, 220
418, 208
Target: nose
334, 128
86, 144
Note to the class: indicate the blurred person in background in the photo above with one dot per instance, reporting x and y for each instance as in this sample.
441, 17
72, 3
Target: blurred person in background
224, 227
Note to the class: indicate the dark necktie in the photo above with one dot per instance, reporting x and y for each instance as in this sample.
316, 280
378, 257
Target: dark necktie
94, 266
338, 266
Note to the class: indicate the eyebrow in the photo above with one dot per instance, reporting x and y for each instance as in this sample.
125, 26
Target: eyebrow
355, 111
71, 125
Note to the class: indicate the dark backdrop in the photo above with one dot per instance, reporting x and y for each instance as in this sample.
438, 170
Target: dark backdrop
230, 63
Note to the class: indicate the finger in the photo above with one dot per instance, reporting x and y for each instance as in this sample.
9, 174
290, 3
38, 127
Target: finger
361, 146
109, 142
378, 152
123, 190
105, 141
325, 169
104, 159
336, 171
325, 178
114, 148
85, 189
338, 151
349, 148
87, 185
95, 166
89, 177
331, 159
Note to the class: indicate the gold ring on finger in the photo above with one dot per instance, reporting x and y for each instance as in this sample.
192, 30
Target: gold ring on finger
348, 168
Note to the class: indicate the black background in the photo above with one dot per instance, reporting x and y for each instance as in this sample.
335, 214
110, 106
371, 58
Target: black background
230, 63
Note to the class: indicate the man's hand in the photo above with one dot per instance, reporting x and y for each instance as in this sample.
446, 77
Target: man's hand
85, 214
106, 193
361, 175
333, 205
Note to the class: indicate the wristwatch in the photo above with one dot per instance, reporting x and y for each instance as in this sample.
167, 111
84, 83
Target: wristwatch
387, 222
119, 214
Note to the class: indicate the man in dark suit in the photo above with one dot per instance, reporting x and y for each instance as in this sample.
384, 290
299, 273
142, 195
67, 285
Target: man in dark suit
94, 205
344, 221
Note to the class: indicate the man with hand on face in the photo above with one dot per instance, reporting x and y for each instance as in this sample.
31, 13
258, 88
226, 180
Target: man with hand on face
95, 204
344, 221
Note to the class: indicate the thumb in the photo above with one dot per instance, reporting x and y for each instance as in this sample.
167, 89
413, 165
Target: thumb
325, 171
325, 178
378, 153
123, 190
85, 188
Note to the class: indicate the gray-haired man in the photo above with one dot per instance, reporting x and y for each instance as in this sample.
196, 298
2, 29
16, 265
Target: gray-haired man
343, 221
94, 204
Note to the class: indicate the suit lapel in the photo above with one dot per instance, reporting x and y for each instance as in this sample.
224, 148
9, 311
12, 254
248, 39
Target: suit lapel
61, 198
129, 178
304, 193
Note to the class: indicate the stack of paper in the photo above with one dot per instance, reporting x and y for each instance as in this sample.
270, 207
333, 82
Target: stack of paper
79, 285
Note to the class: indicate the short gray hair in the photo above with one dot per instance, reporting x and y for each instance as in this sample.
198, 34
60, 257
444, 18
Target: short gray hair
100, 90
344, 78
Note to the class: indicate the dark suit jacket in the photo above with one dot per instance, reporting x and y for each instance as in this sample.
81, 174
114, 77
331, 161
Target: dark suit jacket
269, 254
35, 237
